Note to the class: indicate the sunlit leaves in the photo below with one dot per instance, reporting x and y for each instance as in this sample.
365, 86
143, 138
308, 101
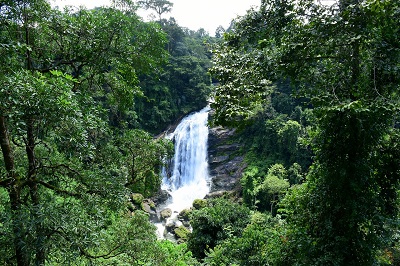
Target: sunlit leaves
34, 96
242, 91
258, 245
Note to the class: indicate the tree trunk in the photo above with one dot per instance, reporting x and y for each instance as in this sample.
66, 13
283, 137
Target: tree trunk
6, 148
33, 189
14, 191
38, 222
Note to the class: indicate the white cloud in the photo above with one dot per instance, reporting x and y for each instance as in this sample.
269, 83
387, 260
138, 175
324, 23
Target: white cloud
77, 3
192, 14
209, 14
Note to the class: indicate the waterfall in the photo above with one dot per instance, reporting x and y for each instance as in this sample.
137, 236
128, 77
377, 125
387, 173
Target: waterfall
188, 177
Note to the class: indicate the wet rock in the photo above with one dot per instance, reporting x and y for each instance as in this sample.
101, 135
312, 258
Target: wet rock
184, 215
170, 227
226, 176
165, 214
161, 197
149, 207
216, 194
186, 224
219, 159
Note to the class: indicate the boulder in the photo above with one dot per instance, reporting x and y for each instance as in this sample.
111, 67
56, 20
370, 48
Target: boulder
216, 194
149, 207
137, 199
199, 203
131, 207
186, 224
170, 227
161, 197
165, 214
181, 232
183, 216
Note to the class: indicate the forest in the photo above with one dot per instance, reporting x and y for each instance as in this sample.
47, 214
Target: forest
311, 89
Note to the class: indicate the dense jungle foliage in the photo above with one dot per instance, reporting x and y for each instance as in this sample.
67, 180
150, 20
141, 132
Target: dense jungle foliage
80, 90
312, 89
341, 62
182, 85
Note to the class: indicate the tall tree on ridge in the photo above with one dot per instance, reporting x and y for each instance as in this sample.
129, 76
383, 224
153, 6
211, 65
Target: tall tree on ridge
159, 6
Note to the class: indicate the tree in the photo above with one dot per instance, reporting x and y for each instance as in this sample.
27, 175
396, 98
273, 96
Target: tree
218, 221
143, 159
219, 32
258, 244
182, 86
265, 192
159, 6
241, 92
61, 73
288, 136
177, 254
354, 117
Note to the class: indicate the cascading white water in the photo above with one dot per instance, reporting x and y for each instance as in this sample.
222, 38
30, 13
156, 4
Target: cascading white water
188, 179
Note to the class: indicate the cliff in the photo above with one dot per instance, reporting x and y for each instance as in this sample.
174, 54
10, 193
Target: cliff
226, 162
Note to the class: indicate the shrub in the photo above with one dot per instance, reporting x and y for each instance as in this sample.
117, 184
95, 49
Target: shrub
216, 222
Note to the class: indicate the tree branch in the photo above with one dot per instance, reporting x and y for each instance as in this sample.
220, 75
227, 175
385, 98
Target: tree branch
6, 182
109, 255
58, 190
85, 253
62, 166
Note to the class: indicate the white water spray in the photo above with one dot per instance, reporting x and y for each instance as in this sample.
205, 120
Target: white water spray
189, 177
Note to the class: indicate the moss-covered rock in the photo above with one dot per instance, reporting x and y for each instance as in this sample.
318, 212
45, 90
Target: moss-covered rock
182, 232
199, 204
137, 199
165, 214
152, 205
149, 206
131, 207
184, 215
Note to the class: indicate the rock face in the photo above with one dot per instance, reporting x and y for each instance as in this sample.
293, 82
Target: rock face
225, 162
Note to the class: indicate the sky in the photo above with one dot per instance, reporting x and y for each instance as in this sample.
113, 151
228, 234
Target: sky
192, 14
